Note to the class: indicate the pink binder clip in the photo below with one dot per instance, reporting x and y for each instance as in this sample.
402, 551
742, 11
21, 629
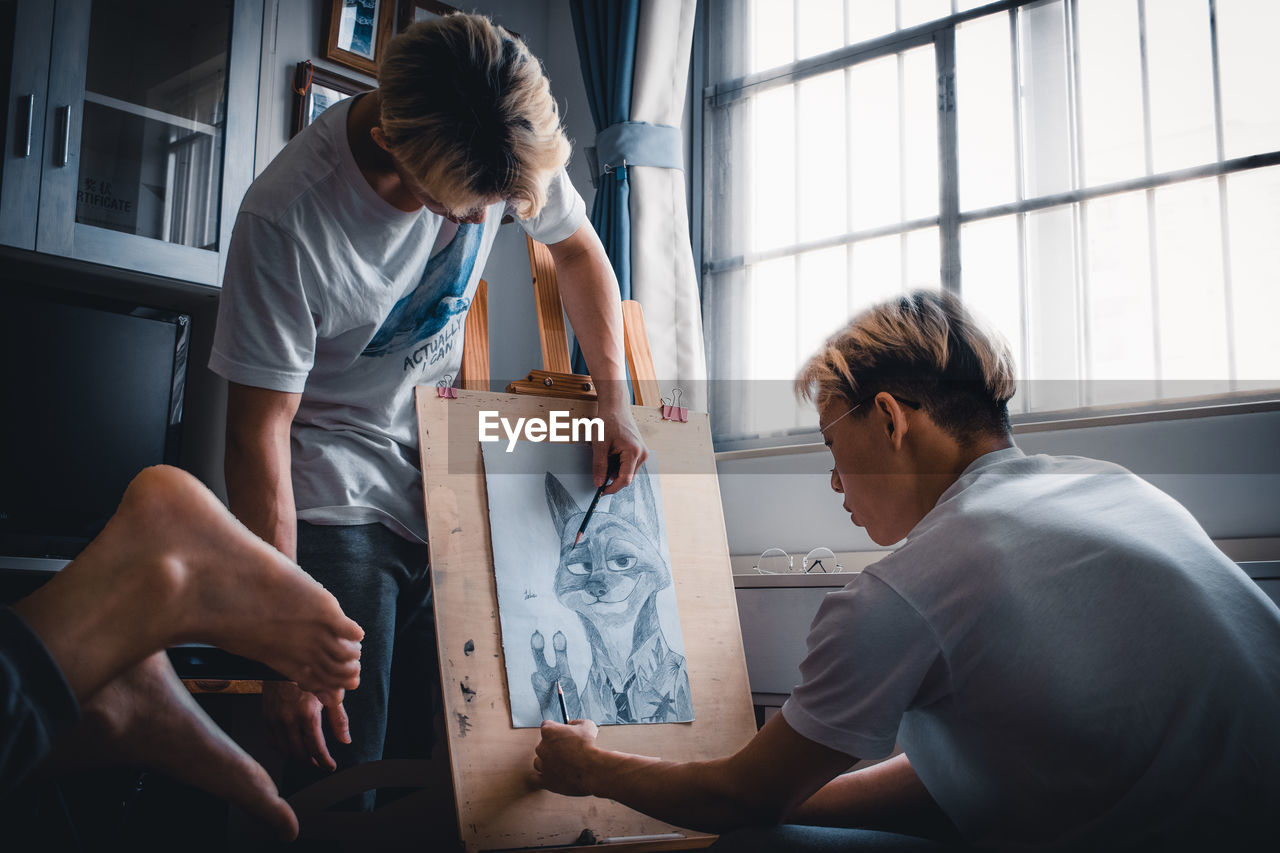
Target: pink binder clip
448, 392
673, 411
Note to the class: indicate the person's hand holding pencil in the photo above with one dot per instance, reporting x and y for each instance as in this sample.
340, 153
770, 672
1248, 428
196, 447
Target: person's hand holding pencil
565, 758
564, 713
609, 478
616, 458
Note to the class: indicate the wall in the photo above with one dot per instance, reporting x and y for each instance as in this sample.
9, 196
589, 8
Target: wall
1224, 469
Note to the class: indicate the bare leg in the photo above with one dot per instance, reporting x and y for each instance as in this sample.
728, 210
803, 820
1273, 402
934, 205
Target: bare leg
172, 566
146, 718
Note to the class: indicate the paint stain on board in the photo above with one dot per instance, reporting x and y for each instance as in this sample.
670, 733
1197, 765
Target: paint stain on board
467, 693
464, 724
468, 648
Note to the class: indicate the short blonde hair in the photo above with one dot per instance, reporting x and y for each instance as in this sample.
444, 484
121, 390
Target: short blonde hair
926, 346
467, 109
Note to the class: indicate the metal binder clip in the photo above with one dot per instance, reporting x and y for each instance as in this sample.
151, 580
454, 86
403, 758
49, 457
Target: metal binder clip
673, 411
447, 392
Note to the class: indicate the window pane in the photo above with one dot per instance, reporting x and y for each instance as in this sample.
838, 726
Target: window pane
824, 297
773, 351
984, 112
1247, 55
1253, 209
1193, 323
1046, 122
724, 308
922, 11
727, 323
874, 149
1110, 91
870, 18
923, 260
772, 34
772, 319
920, 124
989, 282
1053, 311
820, 27
772, 180
1121, 357
822, 156
1180, 72
877, 271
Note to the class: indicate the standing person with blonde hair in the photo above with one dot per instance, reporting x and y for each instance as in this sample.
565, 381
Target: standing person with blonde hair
353, 261
1066, 659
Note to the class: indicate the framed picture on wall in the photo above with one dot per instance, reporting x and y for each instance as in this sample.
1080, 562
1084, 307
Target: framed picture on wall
358, 31
412, 11
315, 90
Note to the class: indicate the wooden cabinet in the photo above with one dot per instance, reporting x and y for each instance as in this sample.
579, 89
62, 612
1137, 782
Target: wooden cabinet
129, 133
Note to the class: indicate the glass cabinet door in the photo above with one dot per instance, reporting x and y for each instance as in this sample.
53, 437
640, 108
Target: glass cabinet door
26, 27
142, 152
154, 115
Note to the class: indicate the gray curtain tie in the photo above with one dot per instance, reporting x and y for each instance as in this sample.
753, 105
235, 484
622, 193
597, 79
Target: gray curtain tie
635, 143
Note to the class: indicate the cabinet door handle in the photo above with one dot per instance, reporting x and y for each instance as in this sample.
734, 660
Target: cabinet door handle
64, 136
22, 139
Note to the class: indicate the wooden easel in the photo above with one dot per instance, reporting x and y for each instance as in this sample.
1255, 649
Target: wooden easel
490, 759
488, 769
556, 378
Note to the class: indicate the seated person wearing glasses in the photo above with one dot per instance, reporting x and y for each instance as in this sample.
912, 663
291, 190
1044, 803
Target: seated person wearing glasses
1066, 659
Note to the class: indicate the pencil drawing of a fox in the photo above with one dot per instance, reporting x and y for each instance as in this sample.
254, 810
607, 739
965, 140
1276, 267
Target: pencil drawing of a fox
611, 580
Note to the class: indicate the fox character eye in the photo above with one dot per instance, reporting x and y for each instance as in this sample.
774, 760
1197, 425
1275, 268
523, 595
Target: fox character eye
621, 563
577, 568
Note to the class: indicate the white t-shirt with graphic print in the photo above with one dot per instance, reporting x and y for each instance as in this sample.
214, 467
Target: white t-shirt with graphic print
333, 292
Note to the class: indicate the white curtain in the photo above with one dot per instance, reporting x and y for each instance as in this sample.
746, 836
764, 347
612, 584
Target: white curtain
663, 277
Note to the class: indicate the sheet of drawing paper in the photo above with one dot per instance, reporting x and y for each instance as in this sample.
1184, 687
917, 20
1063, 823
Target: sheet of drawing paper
599, 618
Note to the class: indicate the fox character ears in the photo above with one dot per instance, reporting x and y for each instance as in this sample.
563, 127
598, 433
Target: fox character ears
560, 502
635, 503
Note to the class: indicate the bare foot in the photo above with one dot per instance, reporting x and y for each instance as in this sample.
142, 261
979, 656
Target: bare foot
146, 718
172, 566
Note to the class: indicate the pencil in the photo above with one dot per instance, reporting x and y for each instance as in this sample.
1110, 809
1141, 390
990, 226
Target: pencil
582, 528
615, 462
564, 714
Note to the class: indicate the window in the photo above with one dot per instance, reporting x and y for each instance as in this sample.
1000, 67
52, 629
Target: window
1099, 178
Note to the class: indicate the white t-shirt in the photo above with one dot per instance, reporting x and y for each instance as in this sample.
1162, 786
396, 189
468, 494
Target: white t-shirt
1065, 657
333, 292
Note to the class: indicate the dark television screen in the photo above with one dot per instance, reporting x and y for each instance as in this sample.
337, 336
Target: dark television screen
93, 394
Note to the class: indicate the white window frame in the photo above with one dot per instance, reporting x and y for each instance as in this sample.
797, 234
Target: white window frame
950, 219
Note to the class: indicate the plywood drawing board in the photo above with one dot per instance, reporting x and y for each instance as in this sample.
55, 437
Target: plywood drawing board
491, 761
